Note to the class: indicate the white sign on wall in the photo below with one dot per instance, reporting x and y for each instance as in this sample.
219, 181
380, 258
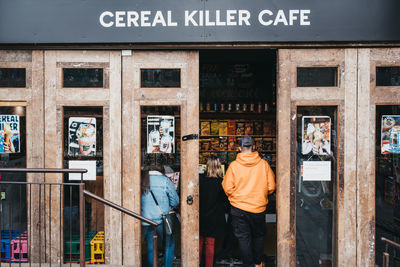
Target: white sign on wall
316, 171
90, 165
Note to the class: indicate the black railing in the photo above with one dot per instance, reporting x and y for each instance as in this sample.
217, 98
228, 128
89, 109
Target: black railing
40, 204
385, 257
128, 212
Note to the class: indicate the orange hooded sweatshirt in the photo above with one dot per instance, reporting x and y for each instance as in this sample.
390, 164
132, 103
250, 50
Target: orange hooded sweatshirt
248, 182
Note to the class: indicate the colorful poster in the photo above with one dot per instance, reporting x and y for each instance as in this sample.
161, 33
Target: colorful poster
174, 177
316, 135
160, 134
9, 134
82, 136
390, 134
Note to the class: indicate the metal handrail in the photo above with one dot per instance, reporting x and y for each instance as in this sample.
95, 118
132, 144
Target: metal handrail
40, 170
122, 209
385, 257
128, 212
83, 193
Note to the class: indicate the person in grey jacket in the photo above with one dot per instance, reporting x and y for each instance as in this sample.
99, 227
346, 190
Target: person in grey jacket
164, 191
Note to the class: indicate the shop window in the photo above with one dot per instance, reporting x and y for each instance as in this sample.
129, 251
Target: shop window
83, 78
387, 76
13, 204
317, 77
156, 78
13, 77
387, 180
83, 148
160, 153
316, 174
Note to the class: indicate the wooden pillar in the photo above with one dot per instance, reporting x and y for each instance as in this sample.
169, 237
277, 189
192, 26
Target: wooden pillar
347, 187
286, 234
112, 163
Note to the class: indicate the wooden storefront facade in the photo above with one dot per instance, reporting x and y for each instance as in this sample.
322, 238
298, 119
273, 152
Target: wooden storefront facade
355, 99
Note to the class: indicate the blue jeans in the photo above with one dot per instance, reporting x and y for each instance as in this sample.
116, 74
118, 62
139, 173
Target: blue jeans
148, 232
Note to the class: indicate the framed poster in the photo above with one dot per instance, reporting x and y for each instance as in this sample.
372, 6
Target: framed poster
82, 136
390, 134
9, 134
316, 135
160, 134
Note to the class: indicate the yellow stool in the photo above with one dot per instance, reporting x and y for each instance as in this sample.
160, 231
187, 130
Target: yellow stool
97, 248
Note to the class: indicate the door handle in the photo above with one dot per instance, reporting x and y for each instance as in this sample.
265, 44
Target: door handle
189, 200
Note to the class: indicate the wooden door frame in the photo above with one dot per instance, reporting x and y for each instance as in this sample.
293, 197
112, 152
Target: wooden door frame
32, 97
370, 96
344, 97
109, 98
187, 97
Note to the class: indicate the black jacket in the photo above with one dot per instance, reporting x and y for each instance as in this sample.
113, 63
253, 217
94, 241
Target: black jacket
212, 207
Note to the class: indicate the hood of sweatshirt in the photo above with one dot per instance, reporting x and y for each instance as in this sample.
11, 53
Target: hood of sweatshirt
248, 159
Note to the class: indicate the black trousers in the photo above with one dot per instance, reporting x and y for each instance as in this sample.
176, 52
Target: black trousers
249, 229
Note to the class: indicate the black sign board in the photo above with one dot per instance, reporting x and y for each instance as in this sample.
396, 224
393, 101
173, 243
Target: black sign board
199, 21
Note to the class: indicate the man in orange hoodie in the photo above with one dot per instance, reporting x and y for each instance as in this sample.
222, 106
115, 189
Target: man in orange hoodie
247, 183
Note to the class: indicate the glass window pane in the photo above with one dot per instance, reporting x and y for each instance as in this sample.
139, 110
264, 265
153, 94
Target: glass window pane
317, 77
387, 180
153, 78
13, 155
78, 78
315, 180
12, 77
161, 165
387, 76
82, 141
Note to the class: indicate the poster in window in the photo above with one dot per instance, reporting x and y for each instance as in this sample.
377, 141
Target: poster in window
316, 135
9, 134
390, 134
82, 136
160, 134
174, 177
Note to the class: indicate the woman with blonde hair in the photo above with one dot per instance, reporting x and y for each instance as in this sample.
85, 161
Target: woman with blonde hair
212, 208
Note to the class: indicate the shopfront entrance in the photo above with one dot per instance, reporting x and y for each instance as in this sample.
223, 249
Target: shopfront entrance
324, 118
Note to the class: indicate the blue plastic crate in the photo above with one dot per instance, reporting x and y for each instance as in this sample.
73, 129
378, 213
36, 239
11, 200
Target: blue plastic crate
6, 237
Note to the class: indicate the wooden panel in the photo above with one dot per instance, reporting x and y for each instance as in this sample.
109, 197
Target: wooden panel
187, 98
286, 235
112, 163
131, 165
347, 187
333, 93
365, 164
369, 96
35, 140
52, 144
344, 97
16, 56
190, 161
32, 98
70, 95
110, 100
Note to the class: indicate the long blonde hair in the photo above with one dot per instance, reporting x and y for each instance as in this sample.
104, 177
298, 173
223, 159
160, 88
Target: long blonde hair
214, 167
